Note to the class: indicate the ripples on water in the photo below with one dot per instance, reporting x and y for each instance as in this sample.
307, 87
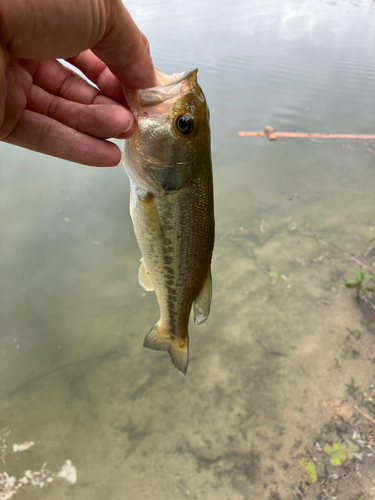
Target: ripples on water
279, 54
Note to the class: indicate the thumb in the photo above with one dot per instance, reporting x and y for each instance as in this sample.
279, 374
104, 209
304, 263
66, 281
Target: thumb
125, 49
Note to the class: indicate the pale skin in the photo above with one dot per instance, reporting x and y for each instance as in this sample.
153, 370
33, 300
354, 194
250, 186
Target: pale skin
46, 107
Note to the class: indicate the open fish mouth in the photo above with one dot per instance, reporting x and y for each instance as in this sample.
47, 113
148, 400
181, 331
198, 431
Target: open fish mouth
176, 78
171, 87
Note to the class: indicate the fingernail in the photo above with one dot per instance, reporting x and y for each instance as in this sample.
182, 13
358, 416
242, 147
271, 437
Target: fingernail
131, 121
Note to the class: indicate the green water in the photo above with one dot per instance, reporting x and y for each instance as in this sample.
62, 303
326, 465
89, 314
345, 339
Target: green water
74, 377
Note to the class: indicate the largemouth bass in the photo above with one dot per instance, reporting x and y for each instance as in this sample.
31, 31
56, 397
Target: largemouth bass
168, 161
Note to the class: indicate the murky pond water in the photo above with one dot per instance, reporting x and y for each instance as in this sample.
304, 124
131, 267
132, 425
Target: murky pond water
282, 336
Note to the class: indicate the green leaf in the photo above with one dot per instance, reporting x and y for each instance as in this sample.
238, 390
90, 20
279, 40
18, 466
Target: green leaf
273, 275
309, 468
338, 458
368, 276
358, 273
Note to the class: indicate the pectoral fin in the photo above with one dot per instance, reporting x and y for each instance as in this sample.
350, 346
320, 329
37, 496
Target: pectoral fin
202, 303
150, 214
144, 278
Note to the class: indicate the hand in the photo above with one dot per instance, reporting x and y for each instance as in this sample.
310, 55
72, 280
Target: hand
46, 107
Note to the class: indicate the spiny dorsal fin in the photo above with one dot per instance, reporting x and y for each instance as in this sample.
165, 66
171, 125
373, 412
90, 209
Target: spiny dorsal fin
159, 340
202, 303
144, 278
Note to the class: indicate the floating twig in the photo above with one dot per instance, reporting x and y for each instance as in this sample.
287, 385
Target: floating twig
372, 420
272, 135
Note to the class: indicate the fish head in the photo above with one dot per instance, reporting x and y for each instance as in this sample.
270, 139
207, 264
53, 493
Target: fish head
172, 132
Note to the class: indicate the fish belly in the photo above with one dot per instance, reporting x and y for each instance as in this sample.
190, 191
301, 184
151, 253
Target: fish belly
175, 233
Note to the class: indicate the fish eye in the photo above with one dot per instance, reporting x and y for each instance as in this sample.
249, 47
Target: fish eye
184, 124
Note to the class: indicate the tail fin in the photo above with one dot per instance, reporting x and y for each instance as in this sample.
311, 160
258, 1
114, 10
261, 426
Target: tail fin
158, 340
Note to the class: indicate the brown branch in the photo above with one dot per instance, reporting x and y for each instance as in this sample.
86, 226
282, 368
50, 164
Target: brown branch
366, 416
272, 135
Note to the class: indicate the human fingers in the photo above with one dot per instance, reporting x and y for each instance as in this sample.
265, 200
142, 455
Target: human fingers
46, 29
64, 29
98, 72
103, 120
43, 134
4, 59
59, 80
125, 50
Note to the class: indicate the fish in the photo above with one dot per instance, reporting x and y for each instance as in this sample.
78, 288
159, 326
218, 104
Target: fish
168, 162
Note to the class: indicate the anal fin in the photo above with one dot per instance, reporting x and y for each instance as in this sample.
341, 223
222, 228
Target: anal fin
144, 278
202, 303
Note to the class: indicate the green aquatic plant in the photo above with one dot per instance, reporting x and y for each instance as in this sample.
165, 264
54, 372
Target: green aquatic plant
360, 282
337, 452
309, 468
340, 452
